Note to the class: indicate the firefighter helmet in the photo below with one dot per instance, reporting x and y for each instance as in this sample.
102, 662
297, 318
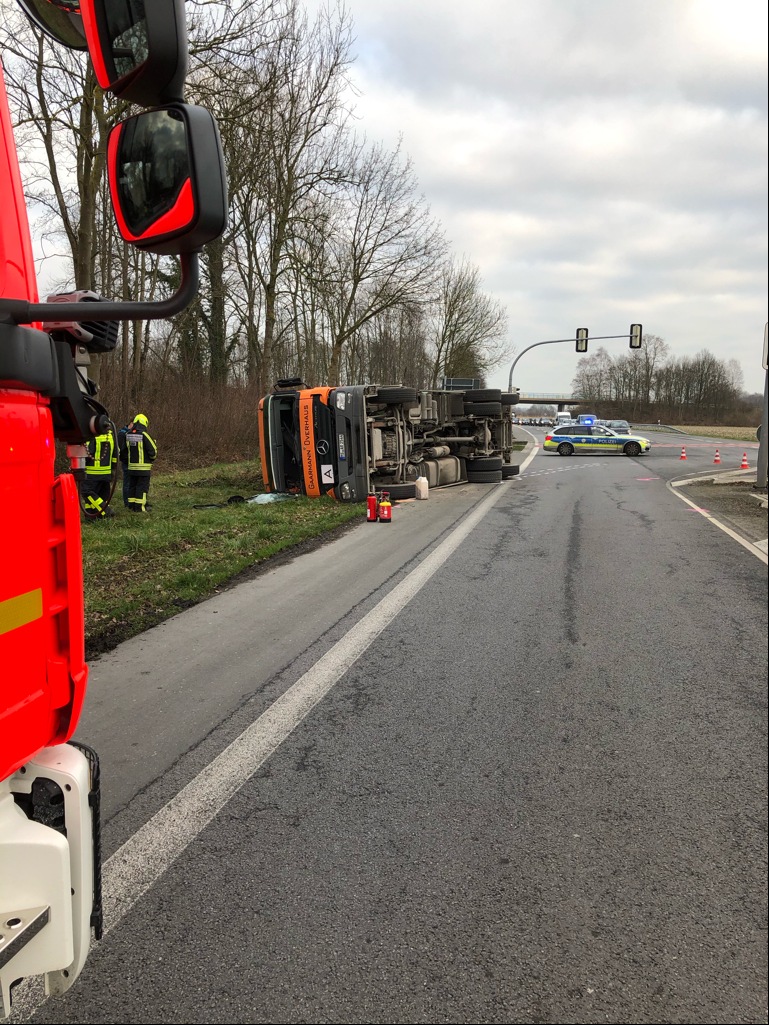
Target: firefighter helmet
140, 418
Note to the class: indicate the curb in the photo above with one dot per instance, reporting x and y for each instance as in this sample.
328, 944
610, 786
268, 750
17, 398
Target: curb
725, 477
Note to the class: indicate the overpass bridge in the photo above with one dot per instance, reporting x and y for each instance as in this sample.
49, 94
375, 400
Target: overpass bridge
557, 399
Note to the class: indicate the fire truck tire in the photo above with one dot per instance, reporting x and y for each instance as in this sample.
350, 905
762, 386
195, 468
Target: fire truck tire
510, 398
491, 409
397, 491
485, 463
395, 395
510, 470
487, 477
483, 395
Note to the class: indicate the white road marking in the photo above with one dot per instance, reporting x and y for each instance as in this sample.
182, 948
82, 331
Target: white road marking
141, 861
758, 549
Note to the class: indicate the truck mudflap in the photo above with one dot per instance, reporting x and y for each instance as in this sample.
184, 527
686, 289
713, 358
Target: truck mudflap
50, 878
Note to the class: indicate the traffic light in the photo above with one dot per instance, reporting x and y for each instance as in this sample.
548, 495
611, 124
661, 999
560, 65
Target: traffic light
581, 339
635, 336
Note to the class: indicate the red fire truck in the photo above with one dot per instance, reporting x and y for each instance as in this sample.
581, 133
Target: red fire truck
159, 160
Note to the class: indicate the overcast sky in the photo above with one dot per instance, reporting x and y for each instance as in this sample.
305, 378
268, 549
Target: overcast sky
601, 161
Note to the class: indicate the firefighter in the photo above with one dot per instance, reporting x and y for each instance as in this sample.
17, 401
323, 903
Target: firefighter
138, 450
100, 465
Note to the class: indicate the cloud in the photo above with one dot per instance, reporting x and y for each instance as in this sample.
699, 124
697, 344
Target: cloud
599, 161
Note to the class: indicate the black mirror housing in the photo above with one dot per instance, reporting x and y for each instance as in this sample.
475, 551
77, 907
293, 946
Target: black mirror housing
61, 22
167, 179
138, 51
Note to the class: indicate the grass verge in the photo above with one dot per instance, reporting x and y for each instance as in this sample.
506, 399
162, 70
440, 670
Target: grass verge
733, 433
141, 570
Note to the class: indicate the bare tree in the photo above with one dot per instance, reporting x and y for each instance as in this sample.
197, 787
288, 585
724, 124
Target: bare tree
692, 389
591, 380
383, 248
652, 354
283, 133
467, 325
62, 121
391, 348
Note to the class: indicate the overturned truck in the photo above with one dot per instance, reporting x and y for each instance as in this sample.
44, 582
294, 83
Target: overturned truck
348, 442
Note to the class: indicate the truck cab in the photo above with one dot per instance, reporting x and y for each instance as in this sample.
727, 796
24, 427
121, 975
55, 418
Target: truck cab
311, 441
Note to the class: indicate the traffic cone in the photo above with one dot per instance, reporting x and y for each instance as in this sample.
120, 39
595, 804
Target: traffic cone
744, 464
718, 457
683, 453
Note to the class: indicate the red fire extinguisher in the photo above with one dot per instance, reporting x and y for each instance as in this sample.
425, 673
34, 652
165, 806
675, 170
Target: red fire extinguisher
385, 508
371, 509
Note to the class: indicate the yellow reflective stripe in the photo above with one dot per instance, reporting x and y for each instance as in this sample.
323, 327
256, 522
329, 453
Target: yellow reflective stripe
18, 611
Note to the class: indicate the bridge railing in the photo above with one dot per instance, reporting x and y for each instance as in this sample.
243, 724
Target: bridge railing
548, 395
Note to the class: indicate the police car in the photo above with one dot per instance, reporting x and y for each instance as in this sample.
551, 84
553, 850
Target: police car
573, 438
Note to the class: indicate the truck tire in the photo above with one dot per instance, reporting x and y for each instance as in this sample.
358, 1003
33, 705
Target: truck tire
510, 398
484, 477
510, 470
397, 491
490, 409
392, 396
483, 395
485, 463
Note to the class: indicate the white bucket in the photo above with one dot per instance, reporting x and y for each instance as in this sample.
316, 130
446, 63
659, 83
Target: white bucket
421, 486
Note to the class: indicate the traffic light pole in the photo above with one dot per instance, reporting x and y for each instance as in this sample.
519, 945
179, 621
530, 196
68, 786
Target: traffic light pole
554, 341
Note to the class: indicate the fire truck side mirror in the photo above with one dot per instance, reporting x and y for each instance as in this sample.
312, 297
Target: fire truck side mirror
167, 179
138, 50
59, 21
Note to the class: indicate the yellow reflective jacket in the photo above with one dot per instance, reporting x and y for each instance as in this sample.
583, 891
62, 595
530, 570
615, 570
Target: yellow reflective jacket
101, 456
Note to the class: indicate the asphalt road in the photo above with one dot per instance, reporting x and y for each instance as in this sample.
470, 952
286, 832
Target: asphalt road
708, 471
503, 760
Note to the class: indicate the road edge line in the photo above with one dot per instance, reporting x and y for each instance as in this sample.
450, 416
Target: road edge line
748, 545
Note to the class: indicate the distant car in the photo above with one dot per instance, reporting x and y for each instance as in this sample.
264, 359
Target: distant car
573, 438
620, 426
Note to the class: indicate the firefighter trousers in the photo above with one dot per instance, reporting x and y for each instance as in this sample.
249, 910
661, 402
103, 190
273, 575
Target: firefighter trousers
138, 489
95, 494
